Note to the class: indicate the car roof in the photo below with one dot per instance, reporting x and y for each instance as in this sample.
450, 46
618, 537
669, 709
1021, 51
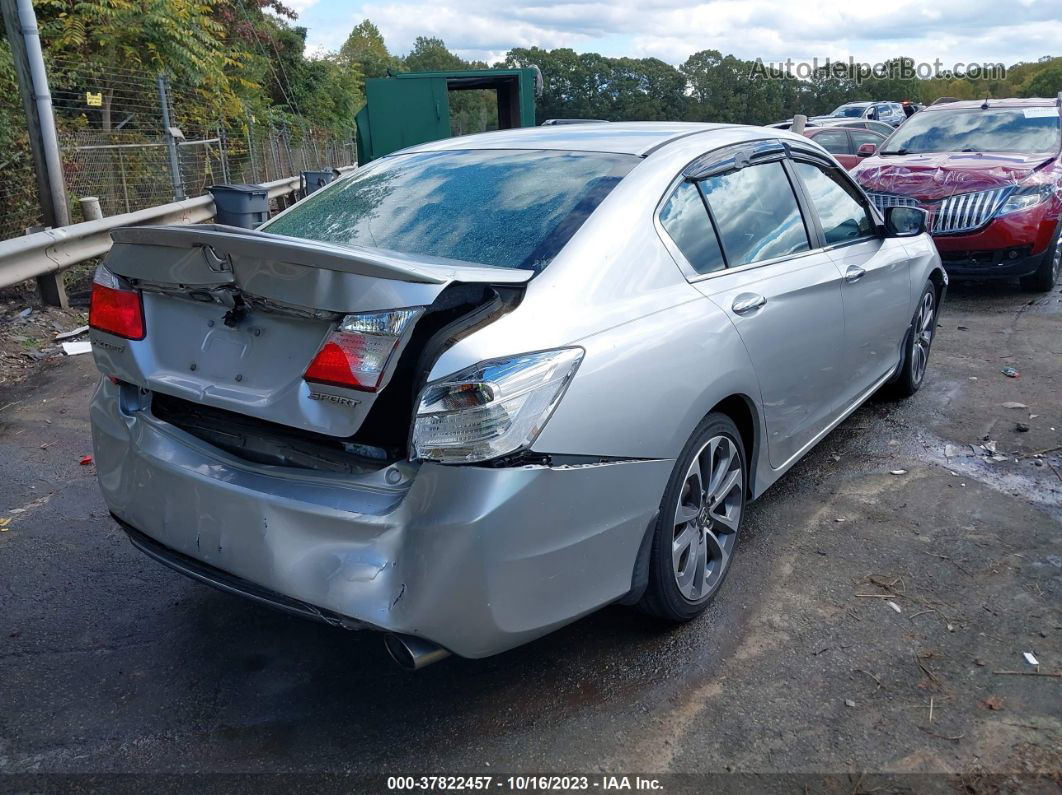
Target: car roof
860, 103
628, 138
976, 104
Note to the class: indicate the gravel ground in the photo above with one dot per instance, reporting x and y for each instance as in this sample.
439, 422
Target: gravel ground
867, 628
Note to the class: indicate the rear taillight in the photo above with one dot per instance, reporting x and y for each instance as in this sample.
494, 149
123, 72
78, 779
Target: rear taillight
357, 353
115, 309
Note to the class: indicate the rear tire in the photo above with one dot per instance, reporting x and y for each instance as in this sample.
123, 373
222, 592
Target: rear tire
917, 345
697, 529
1046, 276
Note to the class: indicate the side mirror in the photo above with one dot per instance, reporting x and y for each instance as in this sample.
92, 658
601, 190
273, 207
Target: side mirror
905, 221
866, 150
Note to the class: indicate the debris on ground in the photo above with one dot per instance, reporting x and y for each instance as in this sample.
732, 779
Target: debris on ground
894, 606
849, 703
1029, 658
1013, 404
898, 472
1010, 372
65, 335
85, 460
74, 348
32, 336
1022, 427
993, 702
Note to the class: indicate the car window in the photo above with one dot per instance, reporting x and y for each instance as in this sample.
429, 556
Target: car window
756, 213
834, 141
506, 208
1026, 130
841, 212
686, 220
860, 137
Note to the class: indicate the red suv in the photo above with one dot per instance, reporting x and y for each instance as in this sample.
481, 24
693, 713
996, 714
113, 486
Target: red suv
990, 175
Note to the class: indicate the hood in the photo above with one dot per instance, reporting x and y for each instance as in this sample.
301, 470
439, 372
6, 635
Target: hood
938, 175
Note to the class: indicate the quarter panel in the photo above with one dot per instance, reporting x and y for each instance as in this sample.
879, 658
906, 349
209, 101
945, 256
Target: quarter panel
644, 385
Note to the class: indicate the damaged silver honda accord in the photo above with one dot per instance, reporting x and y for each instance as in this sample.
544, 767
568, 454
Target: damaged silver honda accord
487, 385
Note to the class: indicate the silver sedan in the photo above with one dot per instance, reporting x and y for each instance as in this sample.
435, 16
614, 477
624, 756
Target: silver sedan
487, 385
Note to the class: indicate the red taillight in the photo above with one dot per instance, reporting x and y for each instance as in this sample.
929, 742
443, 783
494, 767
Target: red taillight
356, 354
114, 310
351, 360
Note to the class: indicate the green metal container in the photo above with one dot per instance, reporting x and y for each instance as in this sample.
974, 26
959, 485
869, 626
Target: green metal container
413, 107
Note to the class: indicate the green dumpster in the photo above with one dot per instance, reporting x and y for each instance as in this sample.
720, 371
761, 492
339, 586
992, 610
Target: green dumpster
413, 107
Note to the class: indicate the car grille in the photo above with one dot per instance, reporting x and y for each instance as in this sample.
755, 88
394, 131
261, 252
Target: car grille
883, 200
967, 211
959, 213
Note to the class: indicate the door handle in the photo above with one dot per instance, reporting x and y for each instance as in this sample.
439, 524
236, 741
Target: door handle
854, 274
747, 302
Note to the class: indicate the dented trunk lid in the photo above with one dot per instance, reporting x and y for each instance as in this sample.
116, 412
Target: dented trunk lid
235, 316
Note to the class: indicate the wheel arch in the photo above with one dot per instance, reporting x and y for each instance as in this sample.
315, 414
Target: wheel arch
742, 410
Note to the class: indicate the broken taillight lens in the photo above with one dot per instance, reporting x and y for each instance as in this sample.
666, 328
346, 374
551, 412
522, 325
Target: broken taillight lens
357, 352
115, 309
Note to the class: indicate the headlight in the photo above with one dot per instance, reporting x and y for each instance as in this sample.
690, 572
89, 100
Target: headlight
1024, 198
492, 408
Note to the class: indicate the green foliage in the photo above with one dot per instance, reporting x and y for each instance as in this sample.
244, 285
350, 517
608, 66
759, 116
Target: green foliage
18, 187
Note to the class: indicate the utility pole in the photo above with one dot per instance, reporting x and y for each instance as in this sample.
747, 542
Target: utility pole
20, 22
173, 135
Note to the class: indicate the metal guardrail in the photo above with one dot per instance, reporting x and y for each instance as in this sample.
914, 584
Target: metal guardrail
54, 250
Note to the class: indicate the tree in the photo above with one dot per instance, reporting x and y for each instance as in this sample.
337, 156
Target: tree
103, 37
365, 50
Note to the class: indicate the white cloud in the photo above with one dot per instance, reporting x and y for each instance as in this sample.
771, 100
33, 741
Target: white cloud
952, 30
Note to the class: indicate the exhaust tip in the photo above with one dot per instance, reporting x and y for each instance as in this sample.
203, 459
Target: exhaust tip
413, 653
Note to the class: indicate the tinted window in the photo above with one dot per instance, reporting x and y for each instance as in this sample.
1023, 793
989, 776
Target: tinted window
756, 213
1029, 130
505, 208
860, 137
849, 111
842, 215
835, 141
686, 220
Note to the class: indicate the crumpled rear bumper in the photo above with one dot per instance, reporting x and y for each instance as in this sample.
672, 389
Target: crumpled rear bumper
476, 559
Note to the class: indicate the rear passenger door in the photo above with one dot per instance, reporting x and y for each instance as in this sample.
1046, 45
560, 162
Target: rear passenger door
875, 270
733, 223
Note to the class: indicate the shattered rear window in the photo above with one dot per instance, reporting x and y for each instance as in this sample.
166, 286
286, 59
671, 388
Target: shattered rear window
504, 208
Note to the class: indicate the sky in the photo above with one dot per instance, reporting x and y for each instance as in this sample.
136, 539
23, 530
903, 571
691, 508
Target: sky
954, 31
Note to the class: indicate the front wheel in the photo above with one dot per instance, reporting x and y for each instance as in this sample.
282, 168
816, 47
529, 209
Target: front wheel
700, 516
1046, 276
916, 347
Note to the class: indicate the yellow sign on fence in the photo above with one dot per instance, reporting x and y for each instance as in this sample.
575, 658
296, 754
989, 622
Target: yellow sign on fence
94, 100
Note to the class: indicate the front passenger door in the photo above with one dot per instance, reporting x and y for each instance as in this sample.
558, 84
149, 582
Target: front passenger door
875, 270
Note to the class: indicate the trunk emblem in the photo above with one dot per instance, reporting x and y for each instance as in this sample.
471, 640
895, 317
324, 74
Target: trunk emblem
339, 400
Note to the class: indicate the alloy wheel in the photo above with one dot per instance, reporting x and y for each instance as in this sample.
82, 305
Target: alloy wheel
923, 336
707, 518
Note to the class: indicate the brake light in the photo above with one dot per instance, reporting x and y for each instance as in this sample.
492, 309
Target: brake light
357, 352
114, 309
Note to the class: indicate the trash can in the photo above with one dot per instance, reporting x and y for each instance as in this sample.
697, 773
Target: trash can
246, 206
315, 180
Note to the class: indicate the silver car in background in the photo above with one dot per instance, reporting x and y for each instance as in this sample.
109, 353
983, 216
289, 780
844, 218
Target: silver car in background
487, 385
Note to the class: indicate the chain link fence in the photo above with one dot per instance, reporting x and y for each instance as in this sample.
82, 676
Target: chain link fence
116, 144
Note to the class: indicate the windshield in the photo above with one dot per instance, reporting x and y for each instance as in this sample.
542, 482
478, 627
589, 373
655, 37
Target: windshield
849, 111
505, 208
1025, 130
